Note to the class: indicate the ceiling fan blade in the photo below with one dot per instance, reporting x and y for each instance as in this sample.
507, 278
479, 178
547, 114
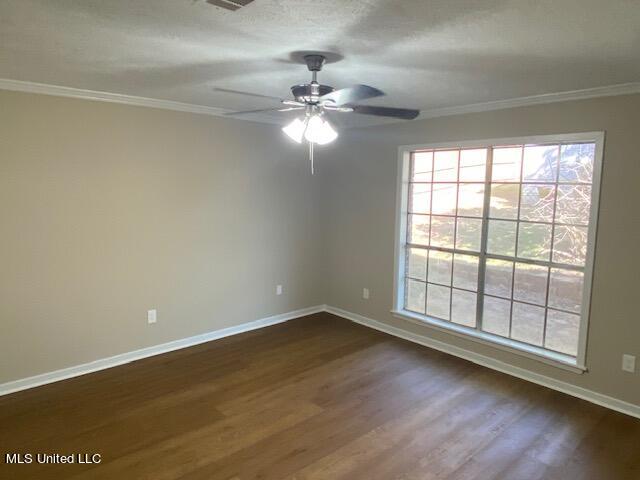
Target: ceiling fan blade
264, 110
289, 109
351, 95
403, 113
224, 4
248, 94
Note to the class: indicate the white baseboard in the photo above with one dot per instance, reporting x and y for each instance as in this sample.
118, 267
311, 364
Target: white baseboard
569, 389
104, 363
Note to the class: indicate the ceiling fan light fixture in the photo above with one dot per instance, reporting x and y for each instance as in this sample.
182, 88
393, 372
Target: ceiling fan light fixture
296, 129
319, 131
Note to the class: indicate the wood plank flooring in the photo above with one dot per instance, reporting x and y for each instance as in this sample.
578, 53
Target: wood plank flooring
315, 398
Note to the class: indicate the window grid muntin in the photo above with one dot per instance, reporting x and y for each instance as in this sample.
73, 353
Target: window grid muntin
553, 234
515, 247
455, 235
495, 256
512, 220
483, 255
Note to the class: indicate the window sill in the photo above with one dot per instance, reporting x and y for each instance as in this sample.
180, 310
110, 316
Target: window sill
539, 354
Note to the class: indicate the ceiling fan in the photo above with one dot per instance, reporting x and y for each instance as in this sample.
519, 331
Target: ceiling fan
315, 99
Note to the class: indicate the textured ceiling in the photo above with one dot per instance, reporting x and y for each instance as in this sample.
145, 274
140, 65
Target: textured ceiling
423, 53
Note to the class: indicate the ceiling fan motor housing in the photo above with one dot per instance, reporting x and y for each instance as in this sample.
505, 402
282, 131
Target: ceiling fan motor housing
310, 92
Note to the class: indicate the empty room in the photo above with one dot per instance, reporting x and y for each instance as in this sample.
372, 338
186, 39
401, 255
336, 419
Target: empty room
319, 239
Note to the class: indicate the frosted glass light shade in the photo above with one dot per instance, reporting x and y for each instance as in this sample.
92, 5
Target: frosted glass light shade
319, 131
295, 130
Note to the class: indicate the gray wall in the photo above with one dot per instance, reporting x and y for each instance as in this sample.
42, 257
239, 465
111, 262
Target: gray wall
109, 210
359, 188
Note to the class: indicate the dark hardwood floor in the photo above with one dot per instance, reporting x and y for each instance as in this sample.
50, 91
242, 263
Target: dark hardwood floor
315, 398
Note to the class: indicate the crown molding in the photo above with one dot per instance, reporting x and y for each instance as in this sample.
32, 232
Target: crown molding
60, 91
607, 91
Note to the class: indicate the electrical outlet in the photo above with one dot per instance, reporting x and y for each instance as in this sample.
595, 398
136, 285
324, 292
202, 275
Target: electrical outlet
152, 316
365, 293
628, 363
278, 289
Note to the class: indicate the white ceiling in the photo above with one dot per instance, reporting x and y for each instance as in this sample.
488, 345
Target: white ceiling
422, 53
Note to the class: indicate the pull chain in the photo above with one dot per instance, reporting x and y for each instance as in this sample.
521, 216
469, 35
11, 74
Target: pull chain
311, 156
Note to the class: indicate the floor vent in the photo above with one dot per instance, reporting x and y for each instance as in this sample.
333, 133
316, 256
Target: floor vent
230, 4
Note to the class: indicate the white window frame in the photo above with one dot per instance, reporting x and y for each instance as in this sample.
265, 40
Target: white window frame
577, 364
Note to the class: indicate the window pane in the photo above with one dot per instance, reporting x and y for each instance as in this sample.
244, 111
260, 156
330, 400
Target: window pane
574, 202
502, 237
468, 234
530, 283
536, 202
420, 198
562, 332
438, 300
422, 165
539, 211
527, 324
446, 166
463, 308
415, 293
506, 164
471, 199
570, 245
495, 316
440, 267
504, 200
417, 263
576, 162
534, 241
444, 198
419, 229
442, 231
498, 277
473, 165
465, 272
540, 163
565, 289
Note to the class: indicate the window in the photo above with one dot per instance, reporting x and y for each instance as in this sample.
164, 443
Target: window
496, 241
